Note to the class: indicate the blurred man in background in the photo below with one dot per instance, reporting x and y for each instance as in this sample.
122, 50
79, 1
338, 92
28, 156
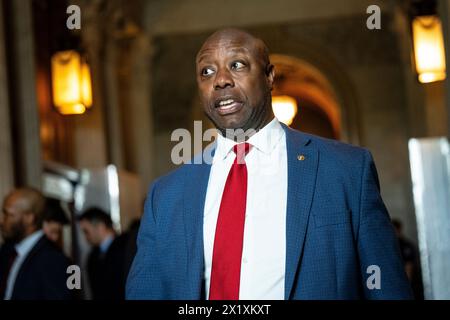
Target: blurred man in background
54, 221
106, 261
31, 266
131, 247
411, 260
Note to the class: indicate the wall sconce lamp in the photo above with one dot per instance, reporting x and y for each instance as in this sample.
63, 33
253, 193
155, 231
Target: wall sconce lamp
284, 108
428, 41
71, 80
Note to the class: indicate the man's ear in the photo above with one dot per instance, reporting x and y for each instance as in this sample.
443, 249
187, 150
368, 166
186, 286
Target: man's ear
270, 74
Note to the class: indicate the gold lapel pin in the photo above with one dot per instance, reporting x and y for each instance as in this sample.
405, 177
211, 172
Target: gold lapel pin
300, 157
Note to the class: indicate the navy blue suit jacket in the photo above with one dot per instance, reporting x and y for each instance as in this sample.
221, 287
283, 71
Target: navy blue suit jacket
42, 275
337, 227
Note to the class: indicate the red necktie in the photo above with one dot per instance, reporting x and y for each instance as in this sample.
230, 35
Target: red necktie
229, 237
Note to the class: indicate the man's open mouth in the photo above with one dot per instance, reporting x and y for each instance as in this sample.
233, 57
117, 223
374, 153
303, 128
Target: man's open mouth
226, 106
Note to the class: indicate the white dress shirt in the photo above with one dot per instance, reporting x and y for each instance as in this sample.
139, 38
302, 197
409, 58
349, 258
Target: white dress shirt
264, 249
23, 248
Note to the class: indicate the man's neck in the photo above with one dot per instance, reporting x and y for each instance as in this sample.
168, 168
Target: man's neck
28, 242
28, 232
106, 242
106, 236
240, 135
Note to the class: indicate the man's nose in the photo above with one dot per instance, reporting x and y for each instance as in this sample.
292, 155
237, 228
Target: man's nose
223, 79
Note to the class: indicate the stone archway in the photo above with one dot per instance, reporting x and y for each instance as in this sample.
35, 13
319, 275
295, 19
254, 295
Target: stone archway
319, 110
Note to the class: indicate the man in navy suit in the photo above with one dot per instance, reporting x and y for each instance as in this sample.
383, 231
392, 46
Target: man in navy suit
106, 262
31, 266
278, 214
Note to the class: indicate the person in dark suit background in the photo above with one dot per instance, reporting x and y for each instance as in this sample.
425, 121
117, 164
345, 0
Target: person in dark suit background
315, 223
106, 261
31, 266
54, 221
411, 259
130, 251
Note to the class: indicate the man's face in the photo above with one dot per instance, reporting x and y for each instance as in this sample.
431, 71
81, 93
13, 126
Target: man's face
91, 232
53, 230
13, 219
234, 81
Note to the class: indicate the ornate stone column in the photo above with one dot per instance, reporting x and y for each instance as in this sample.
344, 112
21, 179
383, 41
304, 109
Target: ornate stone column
23, 98
120, 54
141, 142
6, 162
90, 135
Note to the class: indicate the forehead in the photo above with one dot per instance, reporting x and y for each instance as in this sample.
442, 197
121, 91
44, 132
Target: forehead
223, 46
14, 202
85, 223
54, 225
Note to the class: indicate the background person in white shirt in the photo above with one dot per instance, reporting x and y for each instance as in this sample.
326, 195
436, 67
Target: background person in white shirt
31, 266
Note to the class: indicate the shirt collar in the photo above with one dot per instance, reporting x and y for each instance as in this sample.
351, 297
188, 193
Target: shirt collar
106, 243
25, 246
265, 140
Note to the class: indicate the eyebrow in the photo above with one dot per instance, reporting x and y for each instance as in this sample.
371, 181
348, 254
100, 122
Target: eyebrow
237, 50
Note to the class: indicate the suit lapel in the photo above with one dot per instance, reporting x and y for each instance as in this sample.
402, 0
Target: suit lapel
23, 268
302, 171
196, 183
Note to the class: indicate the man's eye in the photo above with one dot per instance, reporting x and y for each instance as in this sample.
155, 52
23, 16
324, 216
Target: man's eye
207, 71
237, 65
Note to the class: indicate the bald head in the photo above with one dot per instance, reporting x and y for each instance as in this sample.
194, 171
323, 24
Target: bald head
29, 200
238, 37
23, 212
235, 79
